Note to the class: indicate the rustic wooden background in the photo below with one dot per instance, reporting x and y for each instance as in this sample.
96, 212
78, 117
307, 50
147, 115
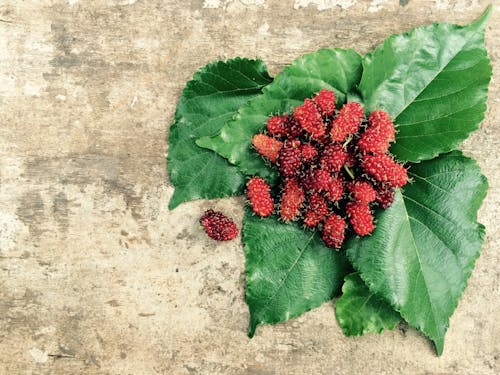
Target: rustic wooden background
97, 276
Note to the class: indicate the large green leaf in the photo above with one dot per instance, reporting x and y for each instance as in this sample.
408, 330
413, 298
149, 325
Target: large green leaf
289, 270
424, 247
208, 101
360, 311
335, 69
434, 82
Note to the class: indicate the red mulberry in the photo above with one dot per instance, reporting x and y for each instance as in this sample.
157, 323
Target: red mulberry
218, 226
310, 119
334, 231
335, 189
384, 169
325, 100
276, 125
334, 157
362, 191
258, 193
385, 196
316, 210
291, 200
378, 135
290, 158
360, 218
309, 152
347, 121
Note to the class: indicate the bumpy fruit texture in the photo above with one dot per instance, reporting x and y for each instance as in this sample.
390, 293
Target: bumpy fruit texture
379, 133
310, 119
325, 101
259, 195
291, 200
290, 158
333, 165
218, 226
347, 122
360, 218
385, 169
267, 146
334, 231
362, 191
316, 210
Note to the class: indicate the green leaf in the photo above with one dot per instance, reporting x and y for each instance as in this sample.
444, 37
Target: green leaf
335, 69
424, 247
208, 101
434, 82
288, 270
360, 311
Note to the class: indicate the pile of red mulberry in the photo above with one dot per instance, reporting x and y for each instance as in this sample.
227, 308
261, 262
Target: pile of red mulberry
334, 167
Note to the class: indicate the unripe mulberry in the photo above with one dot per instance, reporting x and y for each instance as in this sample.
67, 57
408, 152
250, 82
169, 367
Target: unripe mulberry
316, 210
385, 196
360, 218
384, 169
310, 119
291, 200
258, 193
334, 231
379, 133
267, 146
218, 226
334, 157
276, 125
290, 158
362, 191
325, 100
347, 121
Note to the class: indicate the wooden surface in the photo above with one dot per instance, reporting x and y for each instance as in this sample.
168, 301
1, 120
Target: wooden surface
97, 276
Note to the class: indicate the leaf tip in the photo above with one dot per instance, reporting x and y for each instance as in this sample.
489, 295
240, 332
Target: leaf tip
481, 21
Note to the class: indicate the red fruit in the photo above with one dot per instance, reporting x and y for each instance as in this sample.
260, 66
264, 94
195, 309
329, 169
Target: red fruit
325, 100
276, 125
290, 158
385, 196
378, 135
258, 193
316, 210
333, 231
333, 158
293, 128
267, 146
347, 121
291, 200
218, 226
335, 189
320, 180
309, 152
384, 169
360, 218
362, 191
310, 119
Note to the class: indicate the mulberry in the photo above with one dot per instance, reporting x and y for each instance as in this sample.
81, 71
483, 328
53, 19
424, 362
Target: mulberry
267, 146
379, 133
291, 200
316, 210
334, 157
334, 231
277, 126
258, 193
385, 196
325, 100
310, 119
362, 191
384, 169
309, 152
335, 189
347, 121
218, 226
360, 218
290, 158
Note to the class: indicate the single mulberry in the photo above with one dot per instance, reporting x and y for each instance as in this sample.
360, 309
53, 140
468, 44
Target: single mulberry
335, 188
291, 200
309, 152
385, 196
316, 210
362, 191
379, 133
290, 158
325, 100
310, 119
334, 231
218, 226
258, 193
267, 146
277, 125
334, 157
360, 217
347, 121
385, 169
